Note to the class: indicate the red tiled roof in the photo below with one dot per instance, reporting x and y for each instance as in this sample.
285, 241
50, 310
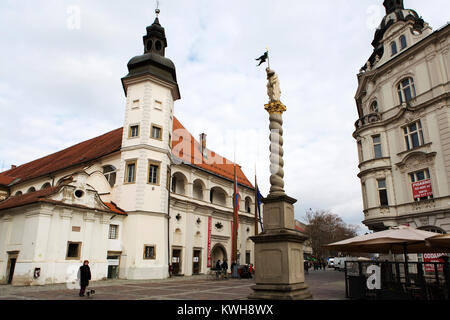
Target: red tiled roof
28, 198
221, 166
109, 143
81, 153
113, 207
41, 196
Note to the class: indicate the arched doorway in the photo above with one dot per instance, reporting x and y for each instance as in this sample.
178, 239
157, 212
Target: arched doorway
218, 252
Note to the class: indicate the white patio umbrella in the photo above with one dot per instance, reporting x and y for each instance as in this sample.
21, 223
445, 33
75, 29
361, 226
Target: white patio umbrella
401, 239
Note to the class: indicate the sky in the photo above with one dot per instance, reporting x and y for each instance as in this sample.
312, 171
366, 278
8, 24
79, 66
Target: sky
62, 62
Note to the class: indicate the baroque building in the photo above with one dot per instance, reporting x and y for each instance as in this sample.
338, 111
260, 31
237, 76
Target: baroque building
403, 130
133, 201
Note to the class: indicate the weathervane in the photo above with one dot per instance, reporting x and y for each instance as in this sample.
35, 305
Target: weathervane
157, 11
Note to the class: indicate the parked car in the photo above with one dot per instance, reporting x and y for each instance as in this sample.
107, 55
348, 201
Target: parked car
331, 262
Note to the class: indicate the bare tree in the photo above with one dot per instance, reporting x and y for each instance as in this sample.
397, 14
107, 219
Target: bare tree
324, 227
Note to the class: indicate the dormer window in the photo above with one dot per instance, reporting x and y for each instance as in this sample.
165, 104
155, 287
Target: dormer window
110, 174
406, 90
394, 48
403, 43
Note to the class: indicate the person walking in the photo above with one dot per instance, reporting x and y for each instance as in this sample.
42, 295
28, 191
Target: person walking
306, 266
84, 274
224, 267
218, 265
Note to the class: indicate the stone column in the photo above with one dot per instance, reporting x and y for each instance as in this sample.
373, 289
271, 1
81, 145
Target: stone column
279, 273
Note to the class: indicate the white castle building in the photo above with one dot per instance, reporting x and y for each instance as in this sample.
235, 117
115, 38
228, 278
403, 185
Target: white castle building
133, 201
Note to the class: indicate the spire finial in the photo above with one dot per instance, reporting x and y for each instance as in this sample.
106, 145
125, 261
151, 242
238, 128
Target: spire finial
157, 11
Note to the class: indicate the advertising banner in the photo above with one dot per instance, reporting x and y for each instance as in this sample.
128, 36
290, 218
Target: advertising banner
209, 243
432, 257
422, 189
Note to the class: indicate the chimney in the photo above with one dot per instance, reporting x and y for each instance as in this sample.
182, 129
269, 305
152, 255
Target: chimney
203, 143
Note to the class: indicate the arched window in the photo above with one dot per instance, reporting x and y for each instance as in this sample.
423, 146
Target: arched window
406, 90
403, 43
393, 47
18, 193
248, 205
179, 182
433, 229
32, 189
46, 186
110, 174
374, 107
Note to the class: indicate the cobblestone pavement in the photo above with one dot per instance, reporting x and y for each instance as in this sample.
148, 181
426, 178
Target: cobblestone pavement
324, 285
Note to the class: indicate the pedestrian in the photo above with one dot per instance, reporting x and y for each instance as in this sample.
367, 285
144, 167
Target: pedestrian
218, 265
224, 268
84, 274
306, 266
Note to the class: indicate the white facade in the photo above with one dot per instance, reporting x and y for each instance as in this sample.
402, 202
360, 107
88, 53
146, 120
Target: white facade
47, 239
403, 134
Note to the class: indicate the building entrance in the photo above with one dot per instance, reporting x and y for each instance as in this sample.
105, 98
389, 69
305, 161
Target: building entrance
176, 261
196, 264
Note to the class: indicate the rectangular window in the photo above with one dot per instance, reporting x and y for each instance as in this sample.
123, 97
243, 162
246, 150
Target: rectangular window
149, 252
73, 250
421, 185
130, 172
360, 152
133, 132
153, 172
158, 105
364, 192
377, 146
113, 231
413, 135
382, 192
135, 104
247, 257
156, 132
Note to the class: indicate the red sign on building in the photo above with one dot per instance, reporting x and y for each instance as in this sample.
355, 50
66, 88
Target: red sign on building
422, 189
433, 257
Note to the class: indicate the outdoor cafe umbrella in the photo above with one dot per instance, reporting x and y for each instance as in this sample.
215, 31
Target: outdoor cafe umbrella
401, 239
440, 241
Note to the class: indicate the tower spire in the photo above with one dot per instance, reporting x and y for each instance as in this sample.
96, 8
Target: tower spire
392, 5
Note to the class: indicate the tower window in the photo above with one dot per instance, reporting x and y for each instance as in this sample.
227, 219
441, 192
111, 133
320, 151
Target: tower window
394, 47
134, 131
377, 146
153, 173
156, 132
382, 192
406, 90
413, 135
403, 43
158, 45
130, 172
149, 45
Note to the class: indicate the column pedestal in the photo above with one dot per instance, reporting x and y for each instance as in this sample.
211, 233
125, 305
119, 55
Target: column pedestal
279, 271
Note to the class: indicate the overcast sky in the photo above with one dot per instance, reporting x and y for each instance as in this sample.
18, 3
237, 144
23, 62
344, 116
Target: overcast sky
62, 61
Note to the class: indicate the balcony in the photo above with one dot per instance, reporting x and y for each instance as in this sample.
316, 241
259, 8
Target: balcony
368, 119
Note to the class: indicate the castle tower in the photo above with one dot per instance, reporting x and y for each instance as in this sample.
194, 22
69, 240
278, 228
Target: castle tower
144, 174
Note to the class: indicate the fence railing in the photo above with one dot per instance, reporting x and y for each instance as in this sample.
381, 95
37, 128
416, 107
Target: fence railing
397, 280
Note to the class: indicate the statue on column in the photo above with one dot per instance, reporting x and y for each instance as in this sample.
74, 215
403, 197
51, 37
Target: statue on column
273, 86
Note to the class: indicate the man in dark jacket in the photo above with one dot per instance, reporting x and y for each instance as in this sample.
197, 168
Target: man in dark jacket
224, 268
84, 274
